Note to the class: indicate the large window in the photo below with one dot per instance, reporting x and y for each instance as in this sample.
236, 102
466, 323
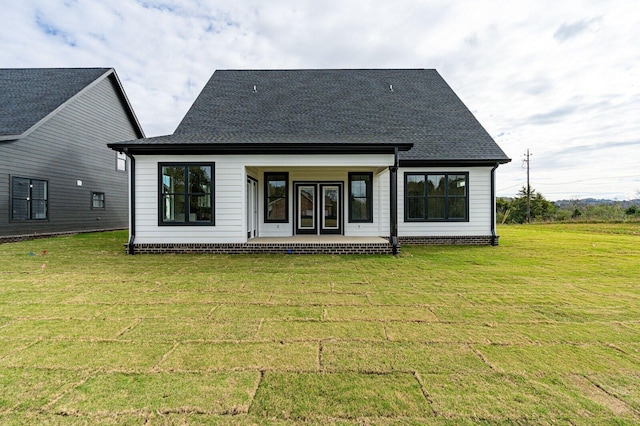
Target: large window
29, 199
276, 190
360, 197
436, 197
186, 194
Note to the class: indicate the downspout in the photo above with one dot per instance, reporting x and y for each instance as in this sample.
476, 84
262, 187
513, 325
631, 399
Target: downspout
132, 201
393, 202
494, 239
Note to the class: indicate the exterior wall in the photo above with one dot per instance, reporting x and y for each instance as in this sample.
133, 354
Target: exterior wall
231, 172
72, 146
480, 205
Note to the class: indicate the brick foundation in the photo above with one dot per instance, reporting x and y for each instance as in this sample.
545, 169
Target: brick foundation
274, 248
467, 240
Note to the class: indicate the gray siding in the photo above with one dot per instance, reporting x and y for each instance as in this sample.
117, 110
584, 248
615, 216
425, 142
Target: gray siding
72, 146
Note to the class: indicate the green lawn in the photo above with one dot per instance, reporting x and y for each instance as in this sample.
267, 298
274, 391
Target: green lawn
543, 329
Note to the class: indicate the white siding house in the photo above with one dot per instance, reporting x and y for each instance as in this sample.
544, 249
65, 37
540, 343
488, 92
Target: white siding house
332, 161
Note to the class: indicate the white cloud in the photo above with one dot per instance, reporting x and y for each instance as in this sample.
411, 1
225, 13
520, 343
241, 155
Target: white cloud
559, 78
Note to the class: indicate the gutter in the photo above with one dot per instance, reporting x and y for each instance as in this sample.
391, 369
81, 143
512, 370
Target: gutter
494, 239
132, 201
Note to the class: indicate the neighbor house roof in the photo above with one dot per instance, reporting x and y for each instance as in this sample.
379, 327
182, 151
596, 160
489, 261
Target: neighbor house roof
414, 110
28, 96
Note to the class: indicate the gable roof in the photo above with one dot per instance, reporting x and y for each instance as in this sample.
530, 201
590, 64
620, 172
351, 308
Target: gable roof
29, 96
414, 110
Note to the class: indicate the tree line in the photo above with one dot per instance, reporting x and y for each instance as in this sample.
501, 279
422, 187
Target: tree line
514, 210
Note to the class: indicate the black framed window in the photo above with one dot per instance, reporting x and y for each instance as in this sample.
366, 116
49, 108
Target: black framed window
436, 197
360, 197
186, 194
97, 200
276, 199
29, 199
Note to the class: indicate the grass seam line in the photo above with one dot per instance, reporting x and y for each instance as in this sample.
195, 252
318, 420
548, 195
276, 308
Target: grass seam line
255, 391
482, 357
425, 393
631, 408
129, 327
211, 311
58, 397
164, 357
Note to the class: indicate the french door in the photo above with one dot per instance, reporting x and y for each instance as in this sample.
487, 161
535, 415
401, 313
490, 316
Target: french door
318, 208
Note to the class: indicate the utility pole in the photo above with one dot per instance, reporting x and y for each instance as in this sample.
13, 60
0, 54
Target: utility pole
526, 160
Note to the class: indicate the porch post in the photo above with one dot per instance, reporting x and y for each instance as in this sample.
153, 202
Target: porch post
393, 202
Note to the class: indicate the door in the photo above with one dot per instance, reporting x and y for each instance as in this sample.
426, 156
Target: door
331, 209
318, 208
306, 210
252, 208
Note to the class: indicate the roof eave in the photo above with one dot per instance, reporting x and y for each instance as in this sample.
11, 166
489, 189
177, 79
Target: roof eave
454, 163
259, 148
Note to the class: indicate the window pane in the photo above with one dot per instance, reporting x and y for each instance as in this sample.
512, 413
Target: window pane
38, 209
415, 208
435, 208
200, 179
173, 207
415, 185
172, 179
277, 186
437, 184
457, 185
457, 208
20, 188
277, 209
20, 209
360, 209
200, 208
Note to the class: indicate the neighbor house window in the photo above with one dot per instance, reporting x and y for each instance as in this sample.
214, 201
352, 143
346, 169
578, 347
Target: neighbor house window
29, 199
186, 194
436, 197
360, 197
121, 161
276, 189
97, 200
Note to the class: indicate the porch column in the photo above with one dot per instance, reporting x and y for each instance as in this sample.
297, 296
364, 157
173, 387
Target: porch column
393, 202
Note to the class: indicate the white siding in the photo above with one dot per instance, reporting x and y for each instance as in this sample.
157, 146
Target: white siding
480, 205
231, 173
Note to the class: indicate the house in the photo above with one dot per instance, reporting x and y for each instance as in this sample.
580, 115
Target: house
307, 161
57, 174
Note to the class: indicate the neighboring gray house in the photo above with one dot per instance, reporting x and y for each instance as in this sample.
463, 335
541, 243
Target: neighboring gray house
300, 161
57, 174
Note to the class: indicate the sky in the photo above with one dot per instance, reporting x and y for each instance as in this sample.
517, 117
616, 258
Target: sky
559, 78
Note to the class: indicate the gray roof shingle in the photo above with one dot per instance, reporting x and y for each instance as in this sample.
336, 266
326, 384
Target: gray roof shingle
385, 106
27, 95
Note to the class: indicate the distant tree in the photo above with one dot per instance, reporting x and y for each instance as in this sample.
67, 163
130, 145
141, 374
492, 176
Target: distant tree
541, 209
576, 214
503, 207
631, 211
